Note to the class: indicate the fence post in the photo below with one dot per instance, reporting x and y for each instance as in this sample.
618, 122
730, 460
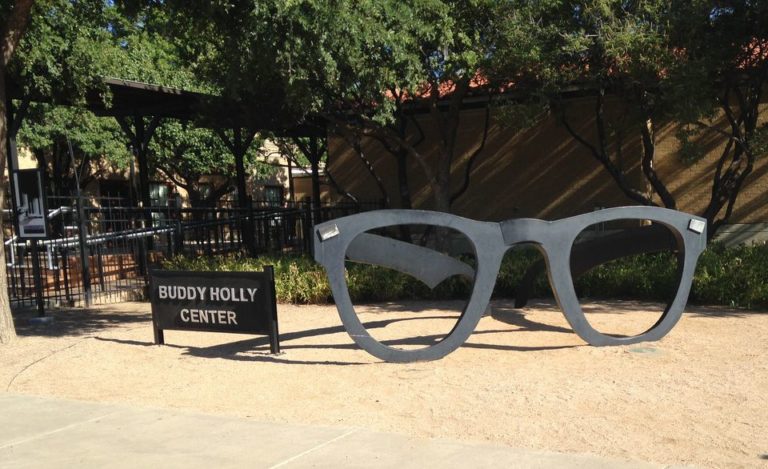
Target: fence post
141, 245
84, 257
179, 230
307, 225
38, 278
65, 266
267, 222
169, 243
100, 267
251, 221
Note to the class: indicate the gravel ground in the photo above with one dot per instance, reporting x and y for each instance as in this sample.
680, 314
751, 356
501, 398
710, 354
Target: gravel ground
699, 396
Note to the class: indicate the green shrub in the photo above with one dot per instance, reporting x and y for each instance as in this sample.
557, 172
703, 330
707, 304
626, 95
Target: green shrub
735, 277
298, 279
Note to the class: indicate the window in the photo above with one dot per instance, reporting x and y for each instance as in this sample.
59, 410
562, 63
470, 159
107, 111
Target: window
158, 194
273, 195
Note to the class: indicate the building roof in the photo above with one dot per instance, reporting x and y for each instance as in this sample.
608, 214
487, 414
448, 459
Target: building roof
128, 98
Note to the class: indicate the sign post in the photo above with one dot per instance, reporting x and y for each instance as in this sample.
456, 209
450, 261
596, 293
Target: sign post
234, 302
30, 216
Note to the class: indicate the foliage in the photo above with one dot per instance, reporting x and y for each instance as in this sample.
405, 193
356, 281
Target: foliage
97, 143
736, 277
89, 134
301, 57
62, 53
70, 46
643, 65
733, 276
297, 279
189, 150
143, 50
354, 63
185, 153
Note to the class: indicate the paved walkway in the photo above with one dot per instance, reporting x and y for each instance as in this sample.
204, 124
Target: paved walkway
49, 433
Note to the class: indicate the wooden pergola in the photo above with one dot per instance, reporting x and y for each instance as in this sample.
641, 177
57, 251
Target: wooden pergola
140, 107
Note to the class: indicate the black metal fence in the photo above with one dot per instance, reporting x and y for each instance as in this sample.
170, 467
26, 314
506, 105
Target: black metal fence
101, 248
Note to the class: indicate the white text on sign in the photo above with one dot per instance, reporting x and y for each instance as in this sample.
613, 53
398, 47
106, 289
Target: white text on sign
208, 316
175, 292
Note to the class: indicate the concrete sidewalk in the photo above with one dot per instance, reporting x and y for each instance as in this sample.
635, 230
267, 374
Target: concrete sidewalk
50, 433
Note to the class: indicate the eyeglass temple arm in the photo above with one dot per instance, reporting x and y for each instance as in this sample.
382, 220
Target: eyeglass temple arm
590, 254
428, 266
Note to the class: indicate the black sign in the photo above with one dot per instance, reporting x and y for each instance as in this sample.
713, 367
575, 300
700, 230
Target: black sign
29, 204
240, 302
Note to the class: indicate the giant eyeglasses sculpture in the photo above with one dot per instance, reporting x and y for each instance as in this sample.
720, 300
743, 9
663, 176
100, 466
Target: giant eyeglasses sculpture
436, 247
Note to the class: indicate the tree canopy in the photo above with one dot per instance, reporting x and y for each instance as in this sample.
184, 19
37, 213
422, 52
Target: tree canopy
651, 63
359, 65
69, 48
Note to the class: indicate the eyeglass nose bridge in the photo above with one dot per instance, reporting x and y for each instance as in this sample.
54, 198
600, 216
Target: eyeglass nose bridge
524, 230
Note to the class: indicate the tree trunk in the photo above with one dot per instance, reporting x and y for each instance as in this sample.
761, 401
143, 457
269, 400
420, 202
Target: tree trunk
442, 196
649, 153
13, 29
402, 165
7, 331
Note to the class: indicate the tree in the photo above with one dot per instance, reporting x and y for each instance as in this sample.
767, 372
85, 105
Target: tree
647, 64
434, 60
357, 64
724, 68
97, 143
67, 49
14, 24
75, 33
618, 55
184, 154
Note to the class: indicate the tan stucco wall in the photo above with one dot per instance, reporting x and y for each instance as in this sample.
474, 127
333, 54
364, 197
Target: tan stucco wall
537, 172
542, 172
691, 183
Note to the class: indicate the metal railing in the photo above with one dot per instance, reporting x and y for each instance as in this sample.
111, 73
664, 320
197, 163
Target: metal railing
101, 249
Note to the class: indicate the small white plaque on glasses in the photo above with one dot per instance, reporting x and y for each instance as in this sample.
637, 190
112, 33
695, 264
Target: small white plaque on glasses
328, 232
697, 226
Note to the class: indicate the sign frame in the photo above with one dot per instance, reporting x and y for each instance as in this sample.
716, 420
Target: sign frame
29, 206
261, 316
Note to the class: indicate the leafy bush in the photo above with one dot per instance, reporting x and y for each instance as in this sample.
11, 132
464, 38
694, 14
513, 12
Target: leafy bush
298, 279
735, 277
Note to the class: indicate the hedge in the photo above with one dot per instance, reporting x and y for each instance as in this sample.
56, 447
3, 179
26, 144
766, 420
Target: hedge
736, 277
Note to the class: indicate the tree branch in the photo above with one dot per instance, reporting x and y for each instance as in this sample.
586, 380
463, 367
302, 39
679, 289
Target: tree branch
354, 142
228, 142
126, 126
173, 178
473, 157
649, 151
150, 131
337, 186
615, 173
370, 128
421, 136
18, 116
303, 148
602, 139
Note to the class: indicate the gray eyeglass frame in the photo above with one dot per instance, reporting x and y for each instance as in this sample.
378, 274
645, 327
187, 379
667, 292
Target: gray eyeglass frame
490, 241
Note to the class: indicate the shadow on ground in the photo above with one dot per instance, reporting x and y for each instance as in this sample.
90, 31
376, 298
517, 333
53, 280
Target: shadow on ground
257, 348
77, 321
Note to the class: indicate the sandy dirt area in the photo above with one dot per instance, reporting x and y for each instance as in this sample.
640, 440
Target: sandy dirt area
698, 397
